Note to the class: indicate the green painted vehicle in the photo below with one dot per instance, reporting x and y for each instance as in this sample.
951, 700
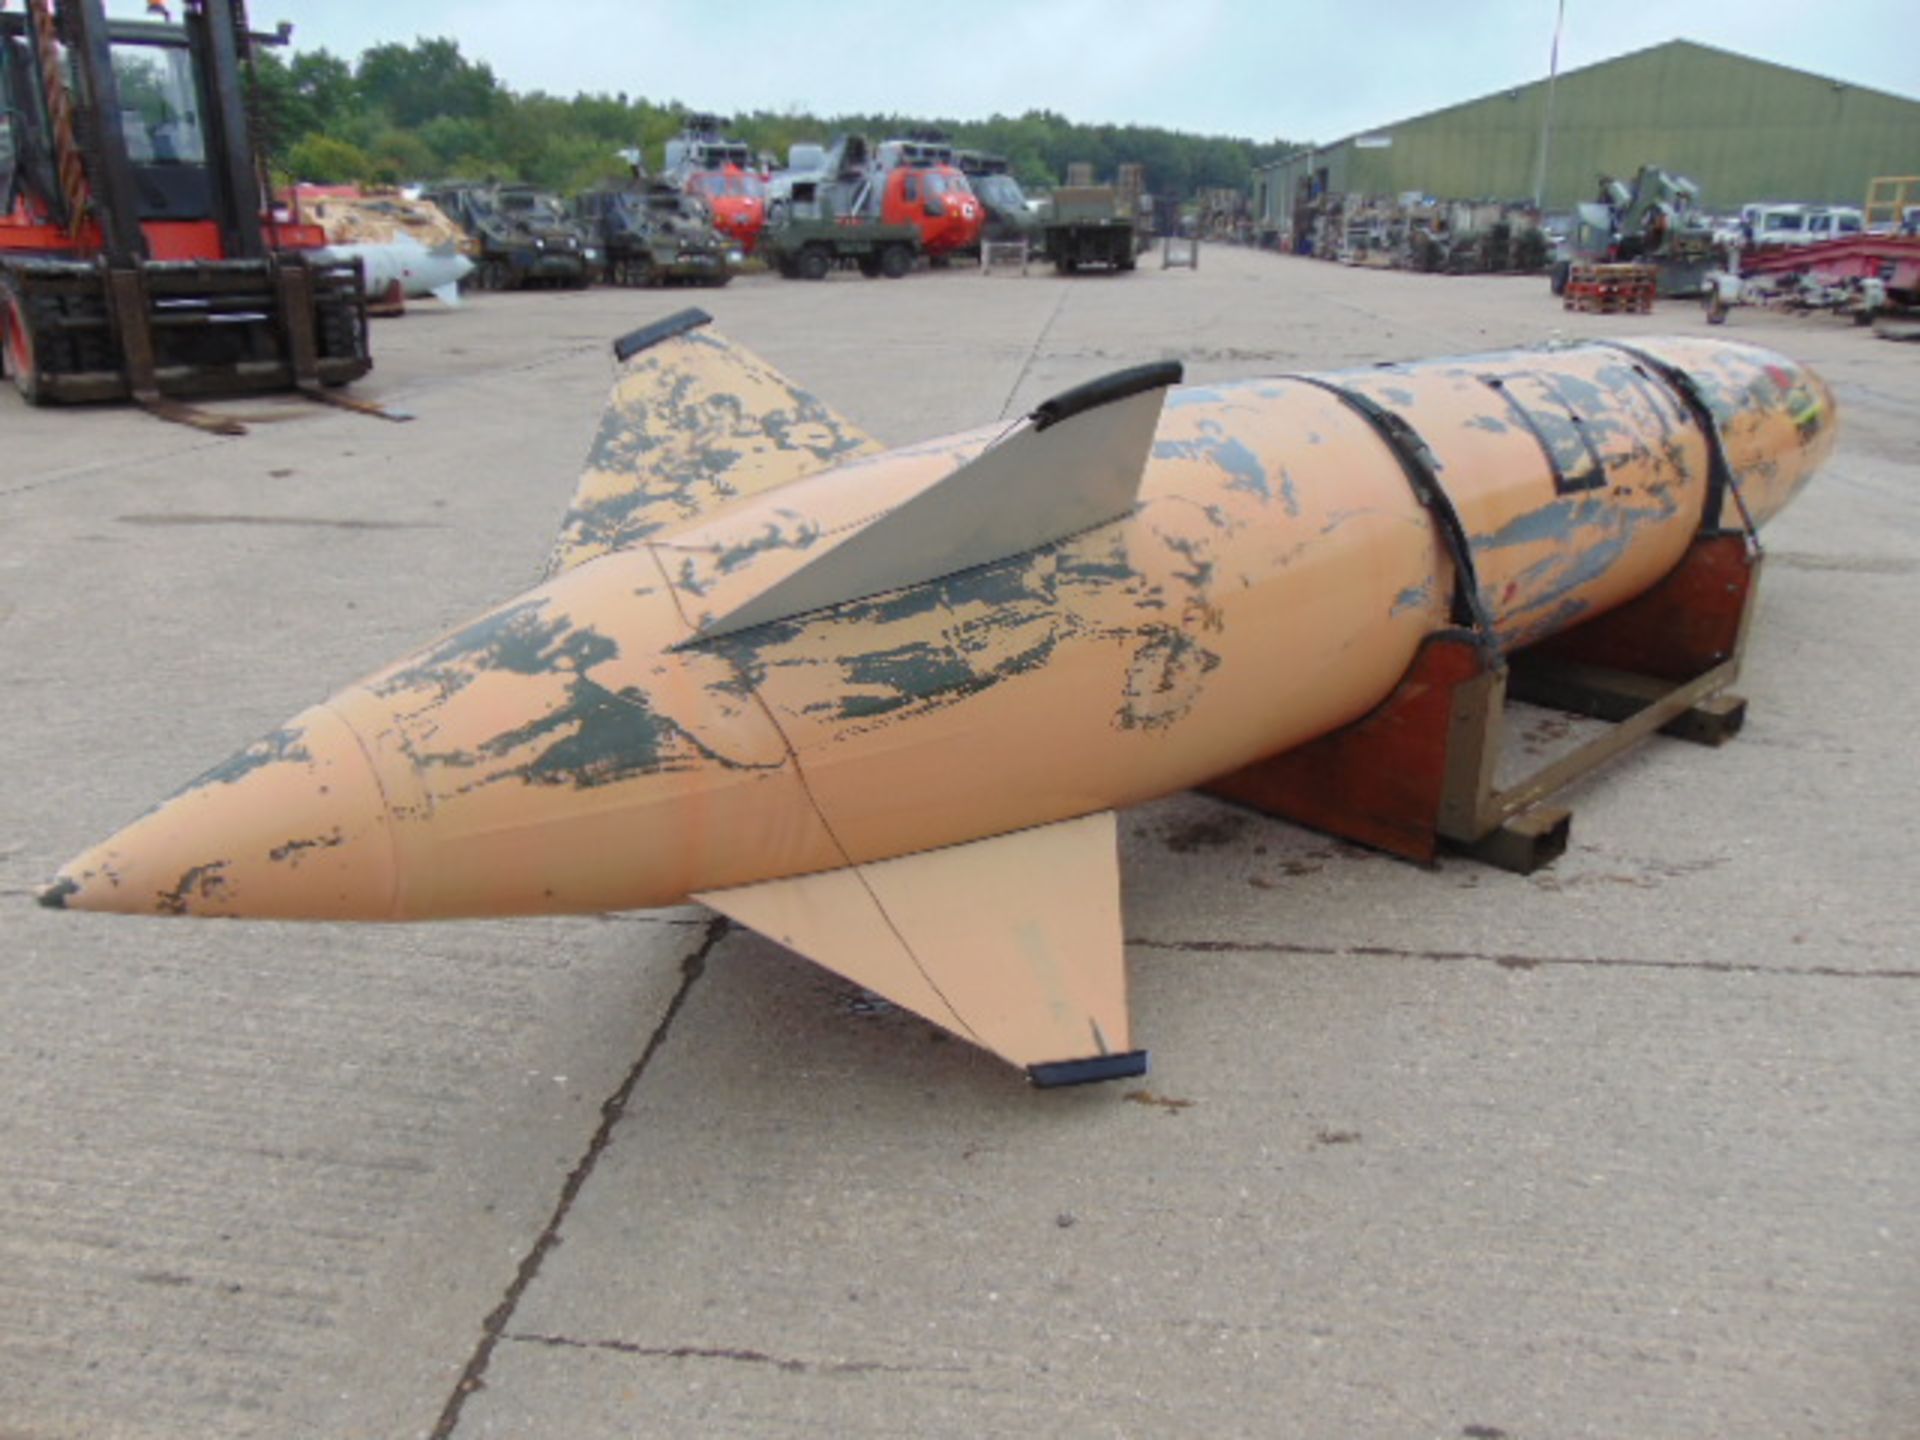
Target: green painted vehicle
521, 236
807, 240
1086, 225
655, 235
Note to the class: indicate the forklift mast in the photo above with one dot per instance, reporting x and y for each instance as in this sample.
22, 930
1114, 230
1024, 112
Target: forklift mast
89, 123
108, 187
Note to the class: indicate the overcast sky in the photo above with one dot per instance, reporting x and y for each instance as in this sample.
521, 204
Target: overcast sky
1231, 67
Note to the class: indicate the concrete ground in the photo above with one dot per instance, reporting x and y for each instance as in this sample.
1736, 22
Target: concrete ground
1627, 1148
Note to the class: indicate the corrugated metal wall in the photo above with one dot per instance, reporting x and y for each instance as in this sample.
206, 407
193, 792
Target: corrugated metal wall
1742, 129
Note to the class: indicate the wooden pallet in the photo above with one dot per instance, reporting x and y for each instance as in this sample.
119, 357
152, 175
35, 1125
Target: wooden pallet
1610, 289
1416, 775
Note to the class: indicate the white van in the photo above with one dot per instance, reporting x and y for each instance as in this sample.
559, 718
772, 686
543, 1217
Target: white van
1798, 224
1773, 224
1834, 222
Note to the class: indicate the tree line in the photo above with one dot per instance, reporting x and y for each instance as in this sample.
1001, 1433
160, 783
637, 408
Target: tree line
425, 111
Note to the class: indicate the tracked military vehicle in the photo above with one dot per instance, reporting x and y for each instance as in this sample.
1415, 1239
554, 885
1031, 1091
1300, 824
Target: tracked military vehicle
521, 236
654, 234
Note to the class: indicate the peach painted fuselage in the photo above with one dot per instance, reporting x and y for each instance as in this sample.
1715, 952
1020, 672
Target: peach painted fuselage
584, 748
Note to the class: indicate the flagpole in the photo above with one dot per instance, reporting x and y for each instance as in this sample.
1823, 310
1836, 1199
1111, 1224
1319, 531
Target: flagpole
1546, 122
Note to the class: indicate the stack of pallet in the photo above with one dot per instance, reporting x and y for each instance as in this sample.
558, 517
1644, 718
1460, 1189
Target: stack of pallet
1610, 289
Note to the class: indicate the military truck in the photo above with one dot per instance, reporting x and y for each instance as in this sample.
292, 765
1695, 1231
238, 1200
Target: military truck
655, 234
1088, 225
899, 182
521, 236
811, 237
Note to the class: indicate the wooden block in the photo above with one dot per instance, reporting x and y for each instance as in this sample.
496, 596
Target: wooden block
1684, 626
1380, 780
1527, 842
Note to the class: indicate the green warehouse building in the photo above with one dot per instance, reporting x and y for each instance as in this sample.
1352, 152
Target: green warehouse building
1743, 130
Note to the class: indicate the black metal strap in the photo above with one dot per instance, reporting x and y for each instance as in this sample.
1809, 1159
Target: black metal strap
632, 343
1721, 481
1416, 462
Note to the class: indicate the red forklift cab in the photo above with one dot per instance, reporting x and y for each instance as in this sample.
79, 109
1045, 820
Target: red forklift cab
169, 138
939, 202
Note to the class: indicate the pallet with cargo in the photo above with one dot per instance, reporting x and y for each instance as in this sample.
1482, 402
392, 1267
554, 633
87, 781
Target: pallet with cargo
1610, 289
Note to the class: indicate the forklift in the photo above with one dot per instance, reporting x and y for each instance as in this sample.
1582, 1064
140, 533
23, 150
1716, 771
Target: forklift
138, 257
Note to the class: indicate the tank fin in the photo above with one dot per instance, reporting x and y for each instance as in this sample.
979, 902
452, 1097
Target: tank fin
1075, 462
694, 422
1013, 943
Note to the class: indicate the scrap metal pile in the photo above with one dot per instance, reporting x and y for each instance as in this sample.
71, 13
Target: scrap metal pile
1224, 214
1418, 232
1656, 222
1872, 279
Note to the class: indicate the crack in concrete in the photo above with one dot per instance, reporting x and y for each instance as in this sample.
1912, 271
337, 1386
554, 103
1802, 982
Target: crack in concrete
101, 467
1033, 352
423, 386
318, 522
715, 1352
1513, 962
492, 1329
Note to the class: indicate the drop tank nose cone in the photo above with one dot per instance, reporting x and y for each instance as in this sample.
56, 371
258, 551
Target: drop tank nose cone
295, 826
